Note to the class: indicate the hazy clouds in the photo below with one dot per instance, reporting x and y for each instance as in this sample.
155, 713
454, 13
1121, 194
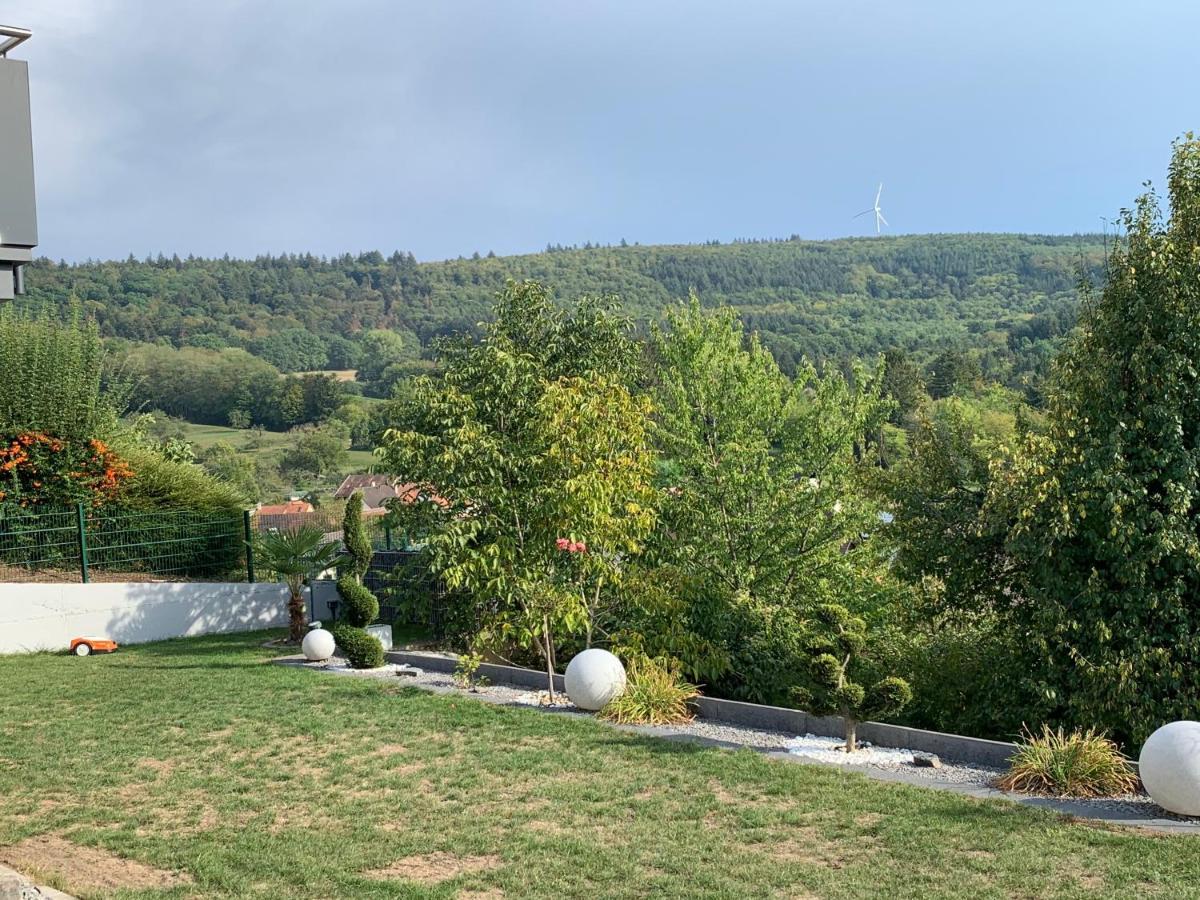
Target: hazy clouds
445, 127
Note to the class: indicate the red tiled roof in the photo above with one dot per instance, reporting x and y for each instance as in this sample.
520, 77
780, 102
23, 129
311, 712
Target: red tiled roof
292, 507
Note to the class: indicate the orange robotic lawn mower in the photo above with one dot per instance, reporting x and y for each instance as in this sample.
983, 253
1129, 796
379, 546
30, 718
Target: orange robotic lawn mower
88, 646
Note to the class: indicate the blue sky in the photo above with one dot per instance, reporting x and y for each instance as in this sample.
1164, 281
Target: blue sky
449, 127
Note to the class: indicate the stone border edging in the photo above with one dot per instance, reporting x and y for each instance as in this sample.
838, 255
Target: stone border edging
953, 747
11, 879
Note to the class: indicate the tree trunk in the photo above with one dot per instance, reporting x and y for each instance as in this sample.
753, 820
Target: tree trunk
296, 617
851, 734
549, 654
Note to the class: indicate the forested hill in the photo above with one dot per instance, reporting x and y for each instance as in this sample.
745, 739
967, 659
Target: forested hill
1000, 295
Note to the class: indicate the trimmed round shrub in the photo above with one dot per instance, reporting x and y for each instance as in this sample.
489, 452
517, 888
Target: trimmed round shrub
360, 606
361, 650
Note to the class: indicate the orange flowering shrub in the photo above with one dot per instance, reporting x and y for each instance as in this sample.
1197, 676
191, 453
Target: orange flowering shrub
38, 469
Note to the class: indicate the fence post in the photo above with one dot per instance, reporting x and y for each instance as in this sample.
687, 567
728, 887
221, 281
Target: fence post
81, 521
249, 546
387, 537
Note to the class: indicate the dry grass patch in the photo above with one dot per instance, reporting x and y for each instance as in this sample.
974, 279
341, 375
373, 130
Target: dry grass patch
809, 847
388, 750
542, 826
721, 795
1087, 879
433, 868
407, 769
163, 767
978, 854
86, 869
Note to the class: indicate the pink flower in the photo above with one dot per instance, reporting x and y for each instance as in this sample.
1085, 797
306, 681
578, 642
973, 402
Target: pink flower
578, 547
563, 544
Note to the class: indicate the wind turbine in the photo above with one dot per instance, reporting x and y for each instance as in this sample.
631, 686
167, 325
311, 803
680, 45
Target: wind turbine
879, 219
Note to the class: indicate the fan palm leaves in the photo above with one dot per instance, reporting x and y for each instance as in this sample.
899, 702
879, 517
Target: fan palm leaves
294, 554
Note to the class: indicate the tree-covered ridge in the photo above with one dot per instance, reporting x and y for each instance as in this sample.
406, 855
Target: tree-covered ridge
996, 293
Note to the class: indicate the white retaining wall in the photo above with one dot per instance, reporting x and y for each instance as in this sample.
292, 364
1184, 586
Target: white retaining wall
47, 616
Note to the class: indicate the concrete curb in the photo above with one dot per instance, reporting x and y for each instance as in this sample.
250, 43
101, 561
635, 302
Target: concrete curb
446, 662
16, 886
952, 747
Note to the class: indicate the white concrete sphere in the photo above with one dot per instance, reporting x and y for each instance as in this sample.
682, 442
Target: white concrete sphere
593, 678
318, 644
1170, 767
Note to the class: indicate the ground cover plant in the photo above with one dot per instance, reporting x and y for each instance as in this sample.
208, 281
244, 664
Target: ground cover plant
193, 768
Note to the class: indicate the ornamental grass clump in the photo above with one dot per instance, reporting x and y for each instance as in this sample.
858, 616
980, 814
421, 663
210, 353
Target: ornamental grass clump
1078, 764
655, 694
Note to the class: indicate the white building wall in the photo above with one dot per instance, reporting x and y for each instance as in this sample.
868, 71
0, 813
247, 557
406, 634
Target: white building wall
47, 616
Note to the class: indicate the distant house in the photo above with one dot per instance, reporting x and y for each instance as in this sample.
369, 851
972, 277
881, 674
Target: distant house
291, 508
353, 483
377, 490
284, 515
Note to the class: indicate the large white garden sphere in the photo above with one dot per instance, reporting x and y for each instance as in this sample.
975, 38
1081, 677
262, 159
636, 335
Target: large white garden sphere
1170, 767
593, 678
318, 644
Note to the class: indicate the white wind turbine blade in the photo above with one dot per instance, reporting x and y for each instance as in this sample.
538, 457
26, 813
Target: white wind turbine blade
878, 194
882, 219
863, 213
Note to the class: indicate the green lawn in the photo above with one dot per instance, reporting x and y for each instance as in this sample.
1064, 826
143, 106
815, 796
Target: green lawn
217, 775
273, 442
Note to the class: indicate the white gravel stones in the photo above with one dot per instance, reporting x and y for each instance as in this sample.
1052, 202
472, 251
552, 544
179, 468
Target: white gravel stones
1170, 767
593, 678
542, 698
318, 644
829, 750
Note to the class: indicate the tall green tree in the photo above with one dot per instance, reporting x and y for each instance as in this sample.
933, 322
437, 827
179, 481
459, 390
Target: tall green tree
904, 384
1109, 499
540, 455
763, 502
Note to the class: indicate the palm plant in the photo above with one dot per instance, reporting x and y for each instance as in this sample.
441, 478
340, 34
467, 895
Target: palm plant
294, 554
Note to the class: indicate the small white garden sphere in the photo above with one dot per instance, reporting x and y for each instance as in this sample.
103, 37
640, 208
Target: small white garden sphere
593, 678
1170, 767
318, 644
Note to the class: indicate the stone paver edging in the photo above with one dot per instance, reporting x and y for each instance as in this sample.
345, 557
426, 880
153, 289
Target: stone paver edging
15, 886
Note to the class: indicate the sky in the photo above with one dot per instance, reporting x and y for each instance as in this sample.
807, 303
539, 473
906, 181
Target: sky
445, 127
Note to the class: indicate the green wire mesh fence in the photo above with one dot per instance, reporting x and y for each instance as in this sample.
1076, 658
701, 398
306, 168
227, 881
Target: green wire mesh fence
77, 544
383, 536
81, 545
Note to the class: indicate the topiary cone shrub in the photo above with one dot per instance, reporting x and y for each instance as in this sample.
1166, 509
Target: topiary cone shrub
359, 606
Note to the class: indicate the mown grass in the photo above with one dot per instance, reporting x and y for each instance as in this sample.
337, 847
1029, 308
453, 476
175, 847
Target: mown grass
270, 444
253, 780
